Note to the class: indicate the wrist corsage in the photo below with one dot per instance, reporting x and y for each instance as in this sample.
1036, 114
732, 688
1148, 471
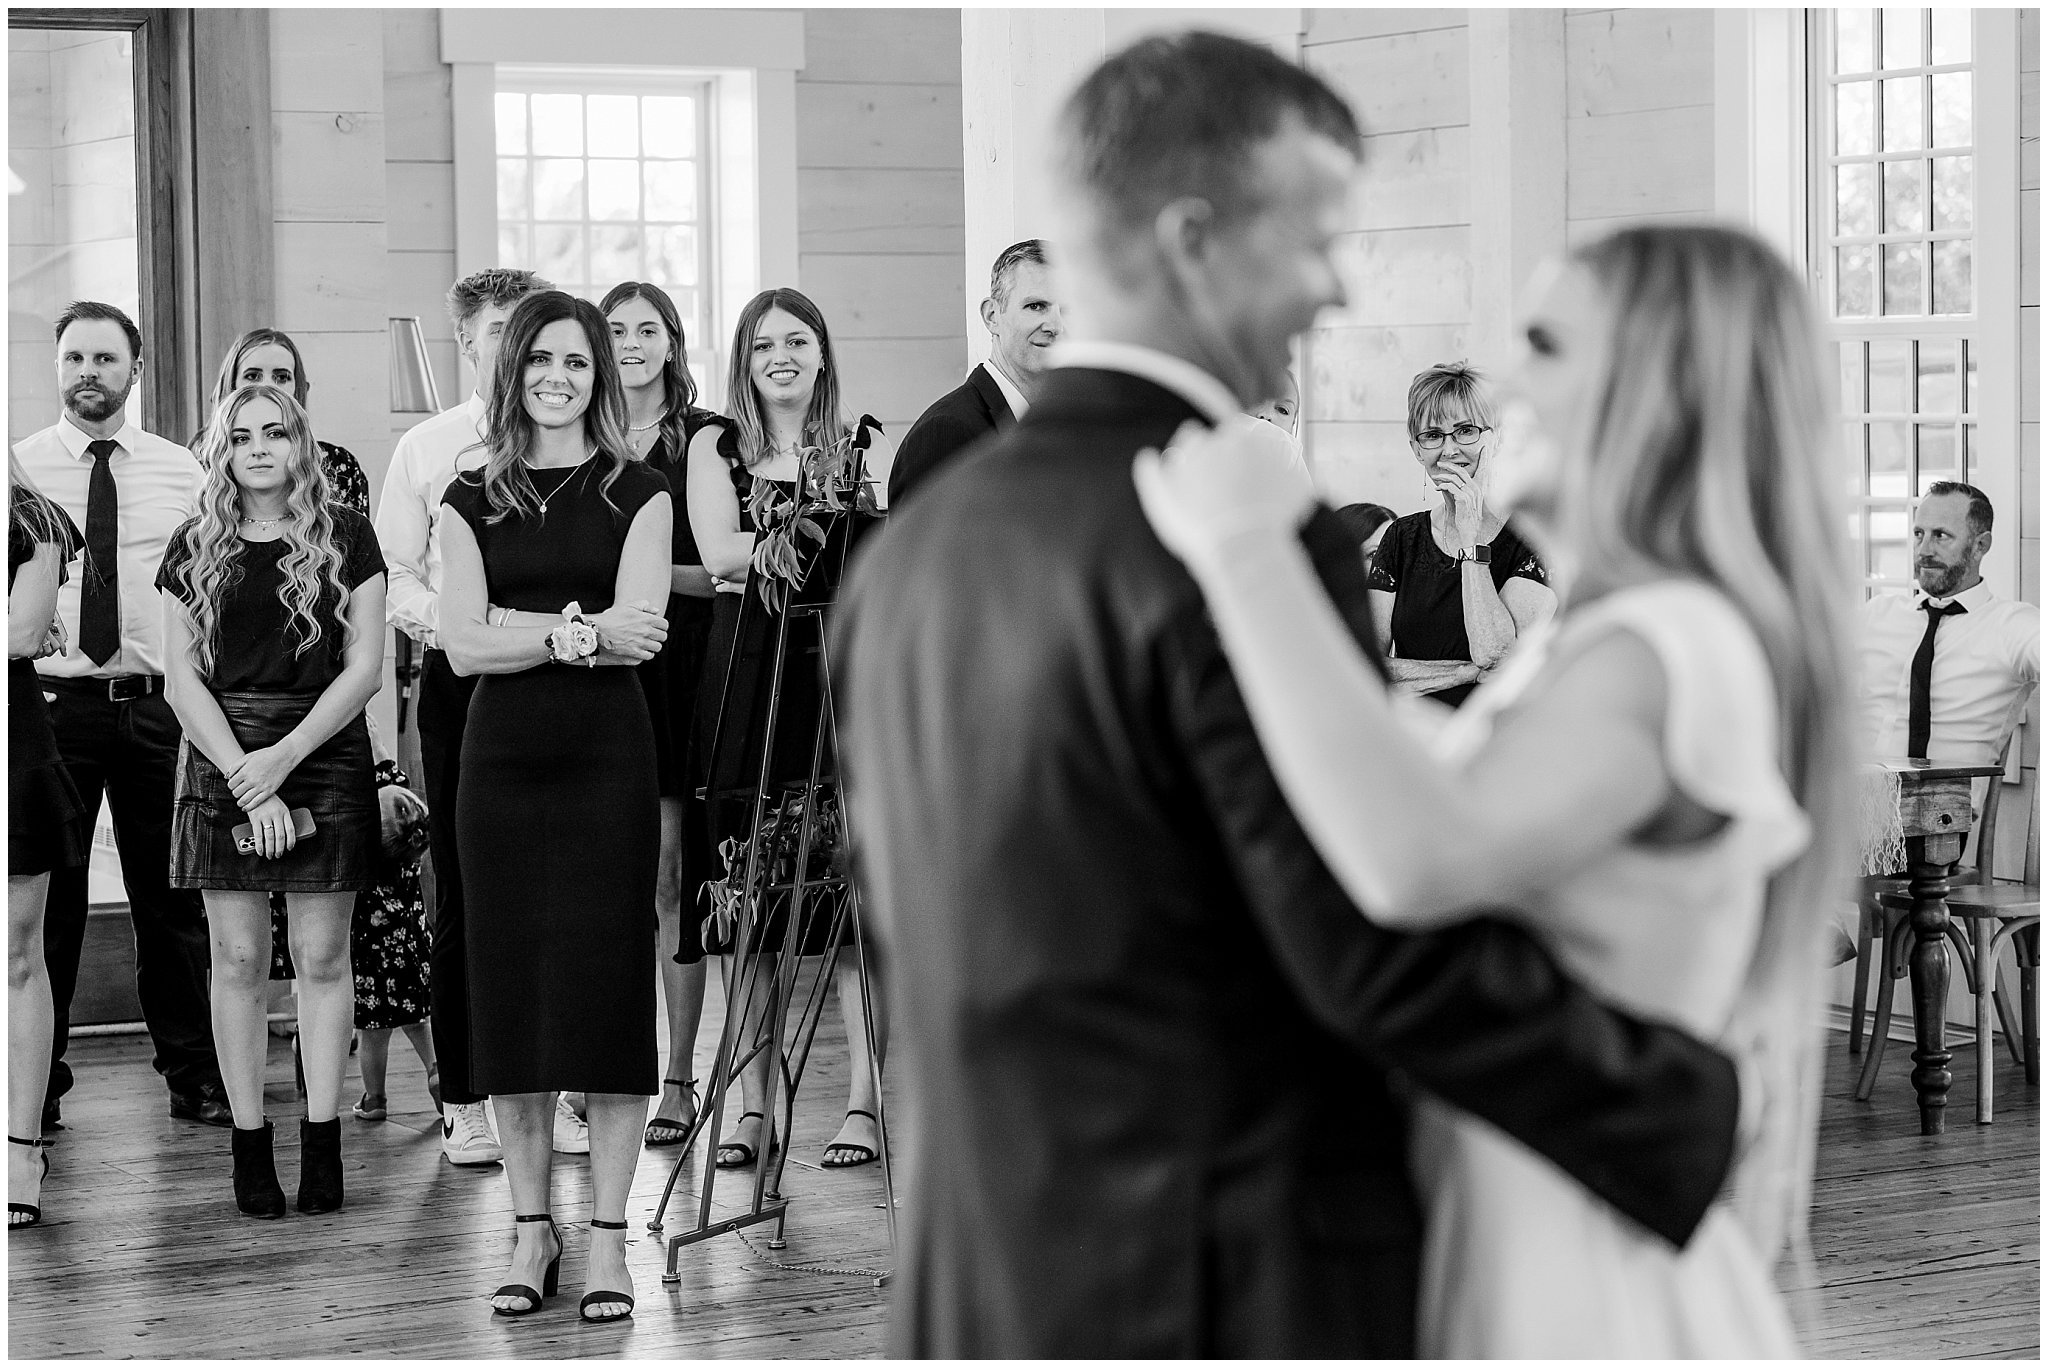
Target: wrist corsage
575, 641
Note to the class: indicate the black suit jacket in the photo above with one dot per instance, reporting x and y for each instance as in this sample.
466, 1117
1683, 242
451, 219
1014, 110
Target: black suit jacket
955, 421
1150, 1043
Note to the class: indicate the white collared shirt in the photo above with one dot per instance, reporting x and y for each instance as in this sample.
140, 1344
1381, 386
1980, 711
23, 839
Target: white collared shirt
1203, 391
425, 460
1012, 396
1985, 658
156, 484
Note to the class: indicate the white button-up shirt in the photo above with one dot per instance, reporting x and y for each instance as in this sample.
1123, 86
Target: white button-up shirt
156, 484
1985, 659
409, 513
1012, 396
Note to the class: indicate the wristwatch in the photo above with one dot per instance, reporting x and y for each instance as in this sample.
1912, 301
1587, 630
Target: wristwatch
1478, 555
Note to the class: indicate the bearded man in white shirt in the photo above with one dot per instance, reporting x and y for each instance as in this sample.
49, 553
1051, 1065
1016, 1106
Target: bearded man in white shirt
1982, 653
425, 460
129, 490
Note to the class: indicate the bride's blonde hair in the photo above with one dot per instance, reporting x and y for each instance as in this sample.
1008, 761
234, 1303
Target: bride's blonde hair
1706, 451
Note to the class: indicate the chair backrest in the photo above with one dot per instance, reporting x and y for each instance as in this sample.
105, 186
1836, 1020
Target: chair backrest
1994, 790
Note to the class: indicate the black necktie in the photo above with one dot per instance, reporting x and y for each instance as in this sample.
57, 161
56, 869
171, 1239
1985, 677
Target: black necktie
99, 614
1919, 706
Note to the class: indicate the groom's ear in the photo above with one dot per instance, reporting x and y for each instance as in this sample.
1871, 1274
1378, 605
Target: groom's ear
1184, 230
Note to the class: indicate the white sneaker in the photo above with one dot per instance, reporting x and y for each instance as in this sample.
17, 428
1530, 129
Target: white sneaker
467, 1137
572, 1132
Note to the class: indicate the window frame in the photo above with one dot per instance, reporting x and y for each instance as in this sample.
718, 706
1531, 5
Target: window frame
164, 248
1991, 330
704, 353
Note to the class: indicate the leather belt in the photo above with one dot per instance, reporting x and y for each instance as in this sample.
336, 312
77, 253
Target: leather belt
119, 689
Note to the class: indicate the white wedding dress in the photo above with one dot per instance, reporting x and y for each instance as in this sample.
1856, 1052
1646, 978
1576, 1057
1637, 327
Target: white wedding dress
1521, 1261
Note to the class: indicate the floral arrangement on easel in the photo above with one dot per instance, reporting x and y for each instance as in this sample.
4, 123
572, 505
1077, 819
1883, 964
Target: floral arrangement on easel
830, 480
778, 841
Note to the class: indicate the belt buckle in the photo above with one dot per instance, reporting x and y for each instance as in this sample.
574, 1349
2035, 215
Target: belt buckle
128, 688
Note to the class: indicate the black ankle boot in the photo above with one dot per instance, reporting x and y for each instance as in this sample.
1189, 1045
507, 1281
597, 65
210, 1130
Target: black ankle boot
256, 1189
320, 1166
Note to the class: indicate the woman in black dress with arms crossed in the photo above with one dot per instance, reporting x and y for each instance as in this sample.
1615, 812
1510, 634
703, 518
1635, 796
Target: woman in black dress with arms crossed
553, 565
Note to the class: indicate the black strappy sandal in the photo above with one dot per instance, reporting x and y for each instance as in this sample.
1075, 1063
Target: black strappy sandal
600, 1298
549, 1283
866, 1155
747, 1153
662, 1132
34, 1213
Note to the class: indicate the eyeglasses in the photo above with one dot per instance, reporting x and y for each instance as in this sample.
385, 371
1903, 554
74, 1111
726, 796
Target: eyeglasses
1464, 434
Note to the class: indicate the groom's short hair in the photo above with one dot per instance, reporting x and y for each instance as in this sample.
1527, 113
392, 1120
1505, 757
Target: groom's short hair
1178, 115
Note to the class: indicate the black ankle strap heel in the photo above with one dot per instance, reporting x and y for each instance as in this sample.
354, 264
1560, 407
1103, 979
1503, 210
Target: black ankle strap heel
550, 1281
35, 1212
602, 1298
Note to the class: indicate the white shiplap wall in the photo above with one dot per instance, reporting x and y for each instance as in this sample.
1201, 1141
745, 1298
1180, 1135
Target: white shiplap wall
879, 202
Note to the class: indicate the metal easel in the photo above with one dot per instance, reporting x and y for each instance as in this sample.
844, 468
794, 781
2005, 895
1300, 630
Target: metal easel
748, 1033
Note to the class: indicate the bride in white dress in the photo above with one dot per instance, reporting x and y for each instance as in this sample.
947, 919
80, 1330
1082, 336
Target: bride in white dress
1656, 782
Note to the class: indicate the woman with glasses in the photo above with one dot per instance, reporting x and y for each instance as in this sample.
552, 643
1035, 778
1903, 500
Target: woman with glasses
1453, 587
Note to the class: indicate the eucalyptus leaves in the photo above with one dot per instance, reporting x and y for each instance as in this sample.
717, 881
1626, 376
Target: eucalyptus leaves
830, 480
774, 851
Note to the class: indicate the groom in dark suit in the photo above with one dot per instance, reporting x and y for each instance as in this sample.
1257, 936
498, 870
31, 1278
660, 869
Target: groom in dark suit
1023, 321
1156, 1059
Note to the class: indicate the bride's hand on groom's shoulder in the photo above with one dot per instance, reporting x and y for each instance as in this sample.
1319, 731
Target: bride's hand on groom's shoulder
1215, 484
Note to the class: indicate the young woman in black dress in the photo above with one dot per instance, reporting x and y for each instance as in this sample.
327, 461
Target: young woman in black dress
47, 825
784, 392
554, 565
273, 646
661, 418
388, 935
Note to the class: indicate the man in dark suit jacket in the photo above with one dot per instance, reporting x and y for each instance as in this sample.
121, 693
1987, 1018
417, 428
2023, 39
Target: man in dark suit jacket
1023, 322
1155, 1057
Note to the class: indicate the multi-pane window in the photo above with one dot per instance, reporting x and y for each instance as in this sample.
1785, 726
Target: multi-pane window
605, 184
1897, 213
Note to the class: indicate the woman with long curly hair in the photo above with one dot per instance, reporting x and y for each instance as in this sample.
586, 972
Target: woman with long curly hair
1658, 785
555, 564
388, 940
661, 418
48, 827
273, 634
783, 389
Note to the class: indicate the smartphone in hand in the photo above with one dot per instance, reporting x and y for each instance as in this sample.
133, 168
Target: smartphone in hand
245, 834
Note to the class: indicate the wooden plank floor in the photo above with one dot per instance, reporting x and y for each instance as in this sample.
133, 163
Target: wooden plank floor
144, 1255
1926, 1248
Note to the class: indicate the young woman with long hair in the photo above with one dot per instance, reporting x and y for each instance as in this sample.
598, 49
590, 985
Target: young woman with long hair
661, 418
783, 389
1658, 784
47, 825
268, 356
388, 940
273, 644
555, 563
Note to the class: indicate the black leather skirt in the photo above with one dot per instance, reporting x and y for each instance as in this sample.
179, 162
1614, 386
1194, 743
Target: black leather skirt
337, 783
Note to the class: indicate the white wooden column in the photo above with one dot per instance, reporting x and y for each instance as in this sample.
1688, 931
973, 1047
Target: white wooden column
1518, 163
1016, 68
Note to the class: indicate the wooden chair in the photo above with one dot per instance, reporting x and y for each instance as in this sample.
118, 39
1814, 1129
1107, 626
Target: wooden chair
1983, 916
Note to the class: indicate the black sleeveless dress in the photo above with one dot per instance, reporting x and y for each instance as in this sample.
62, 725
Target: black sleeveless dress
47, 824
733, 704
672, 680
557, 824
